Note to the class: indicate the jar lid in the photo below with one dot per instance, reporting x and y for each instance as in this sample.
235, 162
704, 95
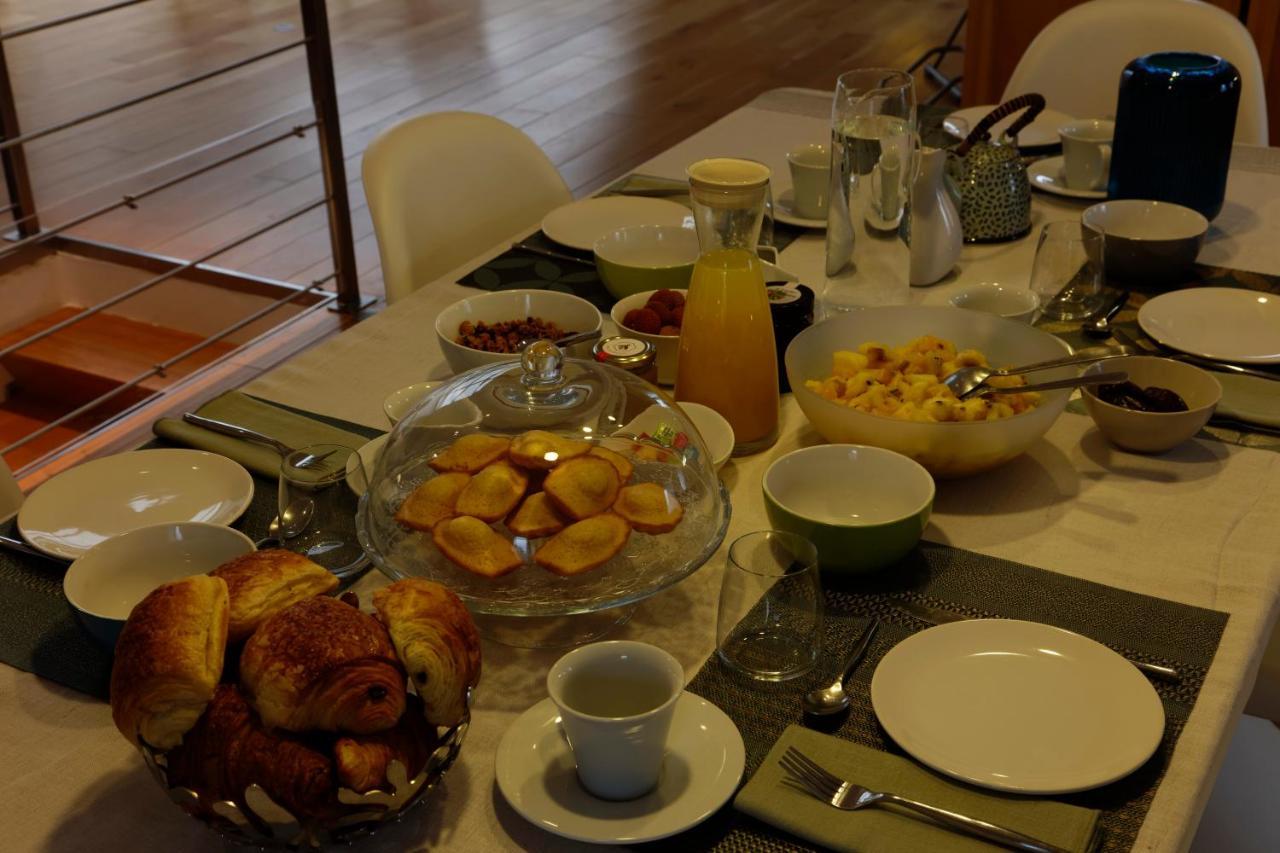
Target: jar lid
624, 352
727, 181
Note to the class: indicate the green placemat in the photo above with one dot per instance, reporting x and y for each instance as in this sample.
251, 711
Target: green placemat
574, 272
39, 632
1139, 626
1235, 393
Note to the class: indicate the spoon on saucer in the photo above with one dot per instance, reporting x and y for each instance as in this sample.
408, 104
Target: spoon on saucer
833, 699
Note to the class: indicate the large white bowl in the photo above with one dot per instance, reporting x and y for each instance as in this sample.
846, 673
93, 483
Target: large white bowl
668, 346
104, 585
572, 313
944, 449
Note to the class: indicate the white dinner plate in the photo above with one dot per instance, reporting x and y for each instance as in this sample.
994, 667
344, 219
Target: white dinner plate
702, 768
368, 455
784, 211
579, 224
1047, 175
92, 502
1017, 706
1223, 323
1041, 132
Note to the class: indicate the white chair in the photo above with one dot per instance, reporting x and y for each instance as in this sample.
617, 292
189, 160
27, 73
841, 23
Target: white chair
444, 187
1075, 61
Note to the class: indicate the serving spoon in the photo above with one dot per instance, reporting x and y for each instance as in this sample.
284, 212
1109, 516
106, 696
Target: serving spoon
965, 381
833, 699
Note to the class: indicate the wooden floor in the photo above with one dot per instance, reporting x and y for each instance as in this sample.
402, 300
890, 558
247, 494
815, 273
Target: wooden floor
601, 85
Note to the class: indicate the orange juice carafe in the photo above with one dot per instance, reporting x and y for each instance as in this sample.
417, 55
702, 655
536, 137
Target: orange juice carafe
727, 355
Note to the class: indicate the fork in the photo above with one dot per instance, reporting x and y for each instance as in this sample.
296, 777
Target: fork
809, 777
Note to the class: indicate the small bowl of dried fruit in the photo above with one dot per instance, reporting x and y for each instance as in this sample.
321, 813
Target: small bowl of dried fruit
1164, 403
654, 316
493, 327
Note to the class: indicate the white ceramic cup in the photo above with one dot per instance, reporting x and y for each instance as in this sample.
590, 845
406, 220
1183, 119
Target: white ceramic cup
1086, 152
616, 700
810, 179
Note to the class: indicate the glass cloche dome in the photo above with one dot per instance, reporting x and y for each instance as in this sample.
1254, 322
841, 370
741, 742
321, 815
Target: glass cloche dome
534, 434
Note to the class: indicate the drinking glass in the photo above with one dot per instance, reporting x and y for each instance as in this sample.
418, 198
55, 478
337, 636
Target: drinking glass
1068, 271
318, 497
873, 132
769, 622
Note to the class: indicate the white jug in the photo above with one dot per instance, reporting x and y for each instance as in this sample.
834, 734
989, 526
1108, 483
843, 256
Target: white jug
936, 235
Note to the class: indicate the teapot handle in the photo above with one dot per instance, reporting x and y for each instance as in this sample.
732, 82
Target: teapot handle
1032, 102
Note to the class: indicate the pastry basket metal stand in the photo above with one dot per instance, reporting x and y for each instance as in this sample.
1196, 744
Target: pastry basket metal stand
262, 822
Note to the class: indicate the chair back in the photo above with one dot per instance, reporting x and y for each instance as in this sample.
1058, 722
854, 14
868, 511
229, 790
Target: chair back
1075, 61
10, 494
444, 187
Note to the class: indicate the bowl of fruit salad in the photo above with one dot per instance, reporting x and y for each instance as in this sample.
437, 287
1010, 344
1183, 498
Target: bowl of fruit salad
654, 316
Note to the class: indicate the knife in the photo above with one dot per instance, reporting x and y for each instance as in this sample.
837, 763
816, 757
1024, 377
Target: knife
938, 616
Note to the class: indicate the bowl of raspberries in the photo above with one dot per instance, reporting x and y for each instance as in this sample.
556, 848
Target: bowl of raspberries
655, 316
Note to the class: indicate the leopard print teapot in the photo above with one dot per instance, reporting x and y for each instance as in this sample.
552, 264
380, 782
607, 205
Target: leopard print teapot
990, 178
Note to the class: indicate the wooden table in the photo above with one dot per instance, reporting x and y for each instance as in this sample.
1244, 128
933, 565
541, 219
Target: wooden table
1196, 526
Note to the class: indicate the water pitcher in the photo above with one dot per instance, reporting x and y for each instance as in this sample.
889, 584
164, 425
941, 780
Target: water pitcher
873, 131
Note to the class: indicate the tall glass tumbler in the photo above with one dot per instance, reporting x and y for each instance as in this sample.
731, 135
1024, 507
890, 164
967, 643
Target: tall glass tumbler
769, 621
1068, 272
319, 494
873, 132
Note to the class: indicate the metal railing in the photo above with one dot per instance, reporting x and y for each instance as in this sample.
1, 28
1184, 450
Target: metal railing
30, 233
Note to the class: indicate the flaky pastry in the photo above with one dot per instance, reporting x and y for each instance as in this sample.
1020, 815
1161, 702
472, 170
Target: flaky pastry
168, 660
262, 583
437, 642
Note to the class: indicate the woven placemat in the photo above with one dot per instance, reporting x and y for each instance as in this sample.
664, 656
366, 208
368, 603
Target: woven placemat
39, 632
1138, 626
574, 272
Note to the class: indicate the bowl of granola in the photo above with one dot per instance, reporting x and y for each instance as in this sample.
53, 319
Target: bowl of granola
488, 328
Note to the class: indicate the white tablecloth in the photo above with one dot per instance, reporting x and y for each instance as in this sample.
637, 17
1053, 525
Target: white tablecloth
1197, 525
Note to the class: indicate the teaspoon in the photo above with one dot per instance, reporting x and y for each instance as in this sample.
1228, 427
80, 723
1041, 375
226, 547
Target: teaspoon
833, 699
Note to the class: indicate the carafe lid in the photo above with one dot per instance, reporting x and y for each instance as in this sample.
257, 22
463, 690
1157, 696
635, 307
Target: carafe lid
727, 181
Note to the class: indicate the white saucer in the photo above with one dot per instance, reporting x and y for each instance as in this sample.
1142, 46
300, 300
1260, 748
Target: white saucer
1017, 706
1047, 175
1040, 133
580, 223
704, 763
784, 211
1222, 323
92, 502
368, 453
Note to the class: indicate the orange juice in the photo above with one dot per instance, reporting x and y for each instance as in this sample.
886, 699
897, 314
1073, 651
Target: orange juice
727, 355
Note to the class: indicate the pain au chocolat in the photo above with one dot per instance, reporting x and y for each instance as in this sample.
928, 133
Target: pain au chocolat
262, 583
169, 659
230, 749
437, 641
322, 664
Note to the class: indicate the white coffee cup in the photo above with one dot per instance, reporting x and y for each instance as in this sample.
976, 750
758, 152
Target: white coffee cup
1014, 303
1086, 152
810, 179
616, 700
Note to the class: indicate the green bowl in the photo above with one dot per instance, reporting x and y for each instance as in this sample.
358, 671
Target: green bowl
637, 258
864, 508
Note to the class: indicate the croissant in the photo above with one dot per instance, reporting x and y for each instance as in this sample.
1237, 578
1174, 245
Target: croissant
362, 760
322, 664
437, 642
230, 749
262, 583
168, 660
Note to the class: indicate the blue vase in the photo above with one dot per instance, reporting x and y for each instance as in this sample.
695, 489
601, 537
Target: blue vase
1175, 121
